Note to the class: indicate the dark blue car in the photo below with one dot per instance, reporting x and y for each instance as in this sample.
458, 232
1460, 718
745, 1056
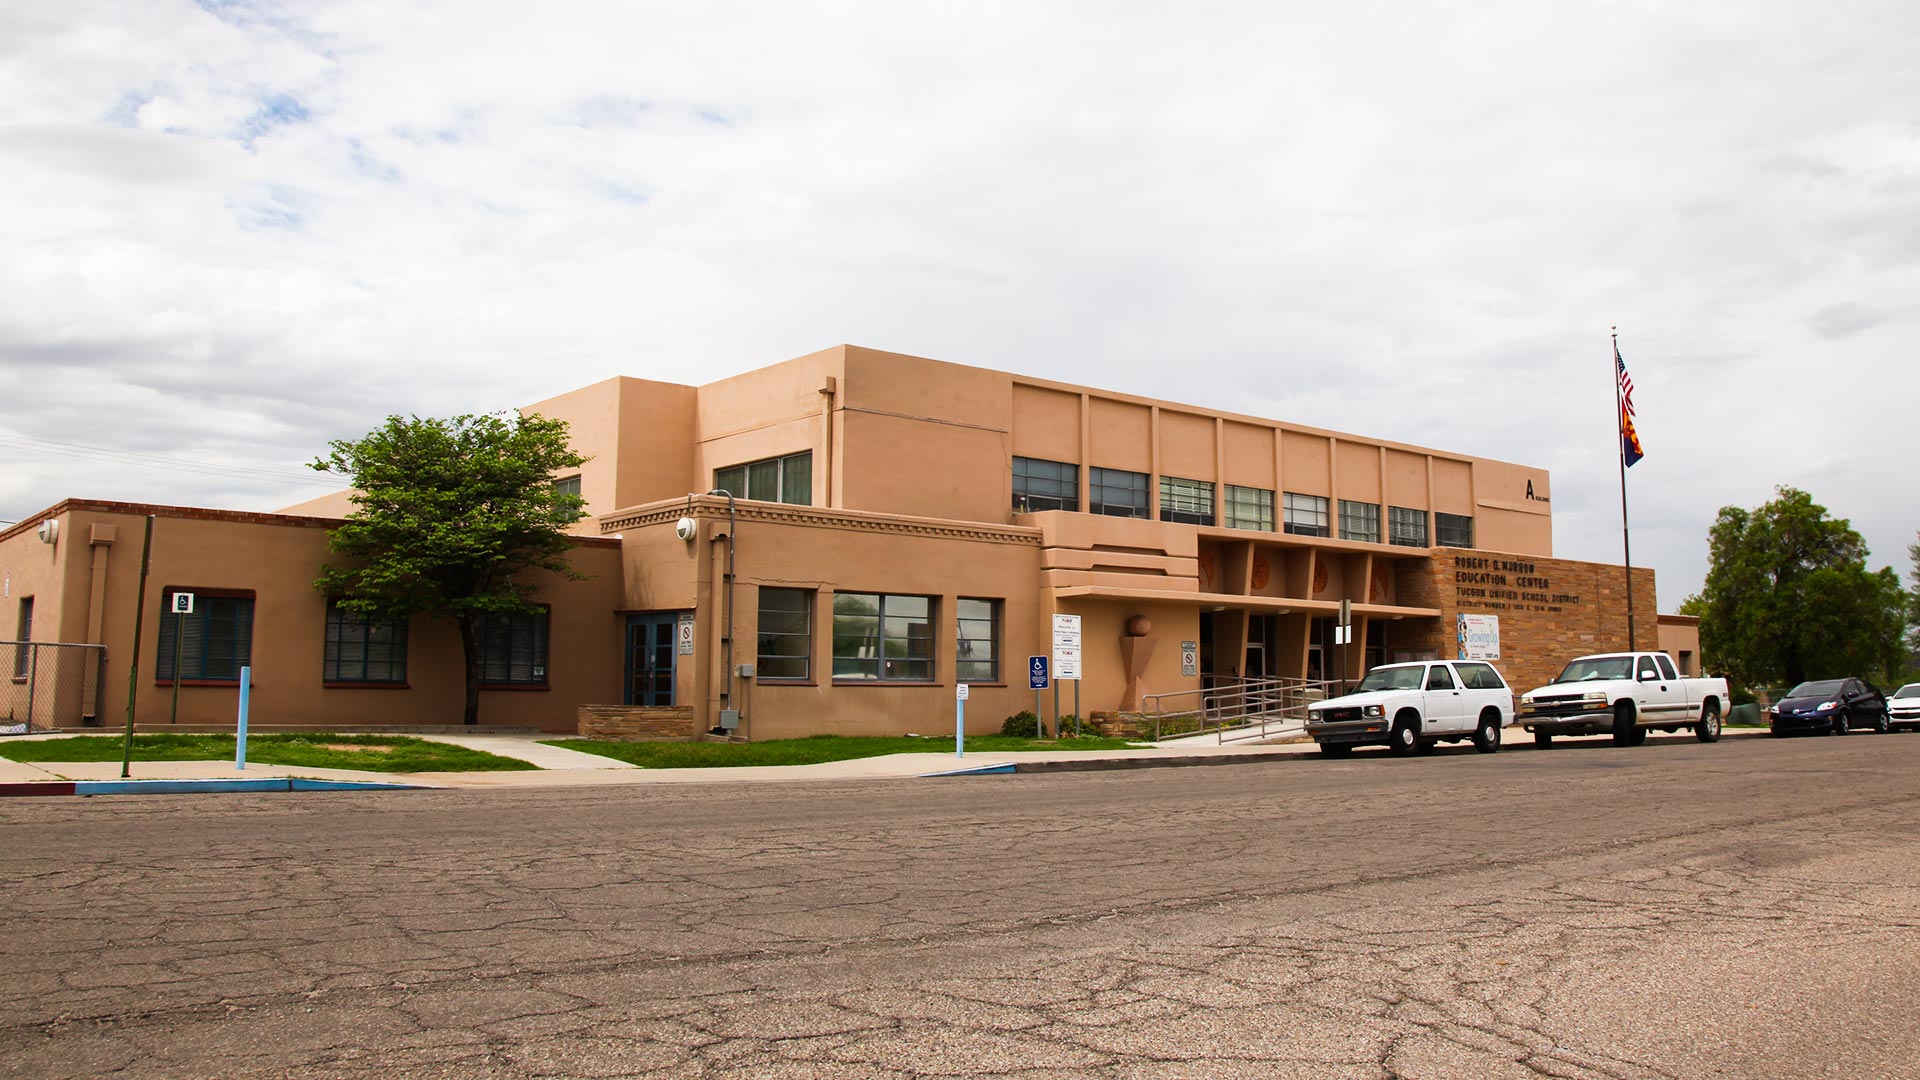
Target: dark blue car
1830, 706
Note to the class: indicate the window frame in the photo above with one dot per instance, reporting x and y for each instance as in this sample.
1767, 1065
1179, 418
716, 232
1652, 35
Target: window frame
568, 485
1170, 495
805, 635
1102, 481
1462, 526
330, 671
994, 620
203, 613
1399, 515
1024, 501
23, 633
879, 640
1300, 516
1370, 522
1262, 506
540, 666
785, 471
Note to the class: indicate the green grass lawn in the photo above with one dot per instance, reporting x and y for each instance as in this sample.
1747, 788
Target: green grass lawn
320, 750
810, 751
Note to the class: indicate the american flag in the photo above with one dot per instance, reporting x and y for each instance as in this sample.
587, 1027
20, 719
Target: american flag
1626, 380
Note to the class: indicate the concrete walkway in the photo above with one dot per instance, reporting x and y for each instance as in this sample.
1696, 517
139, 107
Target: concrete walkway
568, 768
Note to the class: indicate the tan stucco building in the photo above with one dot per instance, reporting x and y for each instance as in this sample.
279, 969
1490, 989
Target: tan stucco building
899, 525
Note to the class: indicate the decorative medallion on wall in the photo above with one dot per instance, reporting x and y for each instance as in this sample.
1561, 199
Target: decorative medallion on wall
1261, 573
1319, 576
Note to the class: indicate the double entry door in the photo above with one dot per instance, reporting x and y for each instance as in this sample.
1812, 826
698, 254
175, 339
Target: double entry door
650, 656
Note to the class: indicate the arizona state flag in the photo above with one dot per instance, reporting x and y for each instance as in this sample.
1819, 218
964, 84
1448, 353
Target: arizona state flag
1630, 450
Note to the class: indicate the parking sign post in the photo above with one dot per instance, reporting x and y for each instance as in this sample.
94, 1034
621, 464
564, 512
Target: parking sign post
178, 605
1037, 681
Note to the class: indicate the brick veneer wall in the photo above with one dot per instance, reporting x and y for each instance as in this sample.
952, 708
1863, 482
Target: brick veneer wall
1550, 610
637, 723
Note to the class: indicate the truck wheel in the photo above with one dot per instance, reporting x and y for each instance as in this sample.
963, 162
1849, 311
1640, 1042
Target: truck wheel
1543, 740
1336, 749
1405, 740
1708, 729
1623, 725
1486, 737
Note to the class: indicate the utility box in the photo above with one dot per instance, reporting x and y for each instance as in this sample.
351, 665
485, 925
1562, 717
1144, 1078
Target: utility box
730, 719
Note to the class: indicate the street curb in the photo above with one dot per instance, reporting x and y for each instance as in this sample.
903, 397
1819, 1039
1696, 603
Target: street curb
187, 787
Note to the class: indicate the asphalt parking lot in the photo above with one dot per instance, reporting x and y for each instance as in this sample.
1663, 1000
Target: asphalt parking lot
1743, 909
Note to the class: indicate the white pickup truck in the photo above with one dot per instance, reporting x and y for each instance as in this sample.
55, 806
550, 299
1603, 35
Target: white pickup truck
1625, 694
1410, 707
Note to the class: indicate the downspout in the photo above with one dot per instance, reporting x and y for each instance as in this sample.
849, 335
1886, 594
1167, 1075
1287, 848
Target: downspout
827, 391
726, 640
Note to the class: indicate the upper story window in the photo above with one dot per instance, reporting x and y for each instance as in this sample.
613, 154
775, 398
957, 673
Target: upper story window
1453, 530
786, 634
1306, 515
513, 648
1039, 484
1190, 501
1117, 493
214, 641
882, 638
783, 479
359, 649
1359, 521
978, 641
568, 485
1249, 508
1406, 527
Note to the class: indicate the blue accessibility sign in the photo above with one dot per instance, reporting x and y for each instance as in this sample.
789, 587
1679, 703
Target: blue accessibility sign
1036, 673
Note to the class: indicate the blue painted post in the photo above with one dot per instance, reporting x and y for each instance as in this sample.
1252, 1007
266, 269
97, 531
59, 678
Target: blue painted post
240, 739
960, 720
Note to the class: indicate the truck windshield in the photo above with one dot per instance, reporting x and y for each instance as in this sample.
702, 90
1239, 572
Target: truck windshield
1598, 667
1392, 678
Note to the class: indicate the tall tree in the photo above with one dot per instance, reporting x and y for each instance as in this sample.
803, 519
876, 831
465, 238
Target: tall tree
1788, 597
454, 519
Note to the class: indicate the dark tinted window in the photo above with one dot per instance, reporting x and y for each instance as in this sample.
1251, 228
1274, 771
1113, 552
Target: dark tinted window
1666, 666
1479, 677
1438, 678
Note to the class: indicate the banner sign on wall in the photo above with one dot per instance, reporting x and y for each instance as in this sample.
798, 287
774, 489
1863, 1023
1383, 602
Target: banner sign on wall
1479, 637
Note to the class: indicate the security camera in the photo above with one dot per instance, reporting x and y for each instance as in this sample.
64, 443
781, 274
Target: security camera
686, 528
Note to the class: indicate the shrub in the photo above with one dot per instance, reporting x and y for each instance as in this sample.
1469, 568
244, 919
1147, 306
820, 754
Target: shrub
1021, 725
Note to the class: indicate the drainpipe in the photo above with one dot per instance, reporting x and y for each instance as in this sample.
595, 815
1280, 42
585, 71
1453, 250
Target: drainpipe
827, 391
726, 640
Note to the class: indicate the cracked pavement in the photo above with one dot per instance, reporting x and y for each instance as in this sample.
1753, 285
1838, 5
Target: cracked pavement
1748, 909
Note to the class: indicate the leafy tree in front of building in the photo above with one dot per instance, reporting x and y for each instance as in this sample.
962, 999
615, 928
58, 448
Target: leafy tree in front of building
455, 519
1788, 597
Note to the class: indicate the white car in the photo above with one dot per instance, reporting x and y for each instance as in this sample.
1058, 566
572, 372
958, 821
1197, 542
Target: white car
1410, 707
1903, 706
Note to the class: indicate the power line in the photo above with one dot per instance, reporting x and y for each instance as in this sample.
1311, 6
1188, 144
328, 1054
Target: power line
163, 462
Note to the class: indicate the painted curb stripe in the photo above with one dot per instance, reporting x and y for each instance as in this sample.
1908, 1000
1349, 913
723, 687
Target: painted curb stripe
188, 787
977, 770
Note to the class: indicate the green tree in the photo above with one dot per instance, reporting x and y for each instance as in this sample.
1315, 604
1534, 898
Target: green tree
1788, 597
454, 519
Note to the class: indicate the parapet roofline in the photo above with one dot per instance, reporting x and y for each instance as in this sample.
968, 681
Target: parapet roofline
195, 513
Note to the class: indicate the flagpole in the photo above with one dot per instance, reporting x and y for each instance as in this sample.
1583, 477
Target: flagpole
1620, 438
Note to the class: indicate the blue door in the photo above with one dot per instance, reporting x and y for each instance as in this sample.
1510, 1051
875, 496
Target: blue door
650, 659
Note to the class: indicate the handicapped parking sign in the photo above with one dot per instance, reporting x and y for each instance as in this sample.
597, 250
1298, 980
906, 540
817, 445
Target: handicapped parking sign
1036, 673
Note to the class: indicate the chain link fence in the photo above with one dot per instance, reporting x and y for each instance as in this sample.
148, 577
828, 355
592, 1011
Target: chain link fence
50, 685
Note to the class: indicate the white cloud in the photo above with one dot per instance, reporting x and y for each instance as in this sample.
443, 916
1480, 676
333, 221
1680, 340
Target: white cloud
258, 226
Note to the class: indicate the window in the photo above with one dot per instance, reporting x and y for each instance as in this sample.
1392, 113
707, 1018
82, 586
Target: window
1249, 508
1647, 670
1045, 485
1438, 678
883, 638
1477, 676
360, 649
1117, 493
513, 648
1190, 501
1405, 527
783, 480
23, 653
1666, 666
978, 647
1453, 530
1306, 515
786, 634
1686, 663
215, 642
568, 485
1359, 521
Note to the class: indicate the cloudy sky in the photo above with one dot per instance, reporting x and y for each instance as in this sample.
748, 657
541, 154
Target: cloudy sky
233, 230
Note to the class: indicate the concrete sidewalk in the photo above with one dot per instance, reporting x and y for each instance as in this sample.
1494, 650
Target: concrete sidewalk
568, 768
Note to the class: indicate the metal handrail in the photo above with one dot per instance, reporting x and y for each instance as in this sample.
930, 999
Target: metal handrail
1234, 703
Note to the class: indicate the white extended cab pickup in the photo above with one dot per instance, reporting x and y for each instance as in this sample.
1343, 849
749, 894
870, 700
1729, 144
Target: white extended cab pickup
1625, 694
1409, 707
